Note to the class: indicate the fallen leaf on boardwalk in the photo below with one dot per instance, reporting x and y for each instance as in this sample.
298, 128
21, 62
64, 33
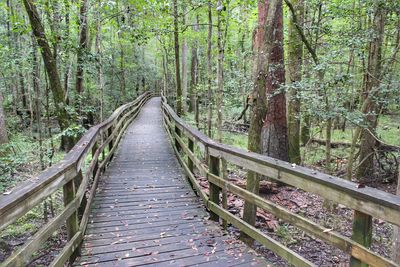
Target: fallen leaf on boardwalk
213, 250
154, 253
162, 234
133, 249
127, 255
7, 193
327, 230
116, 242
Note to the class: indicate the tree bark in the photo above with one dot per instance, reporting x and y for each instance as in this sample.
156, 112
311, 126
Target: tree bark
177, 66
274, 131
3, 128
372, 78
262, 46
209, 71
396, 233
36, 90
83, 42
194, 71
63, 117
184, 67
295, 61
99, 52
220, 71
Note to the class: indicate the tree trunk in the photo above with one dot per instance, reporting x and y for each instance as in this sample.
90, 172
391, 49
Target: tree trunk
99, 52
396, 233
184, 66
3, 128
63, 117
295, 61
274, 131
262, 46
194, 71
371, 82
209, 71
177, 66
220, 72
83, 43
67, 57
36, 90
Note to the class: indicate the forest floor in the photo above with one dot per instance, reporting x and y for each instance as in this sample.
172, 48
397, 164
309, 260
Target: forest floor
20, 161
311, 206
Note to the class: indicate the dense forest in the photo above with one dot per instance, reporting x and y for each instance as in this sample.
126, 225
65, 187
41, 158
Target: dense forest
312, 82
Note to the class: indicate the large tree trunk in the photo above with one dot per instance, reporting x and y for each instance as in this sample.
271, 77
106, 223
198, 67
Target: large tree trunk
51, 68
295, 60
262, 46
177, 66
274, 131
371, 82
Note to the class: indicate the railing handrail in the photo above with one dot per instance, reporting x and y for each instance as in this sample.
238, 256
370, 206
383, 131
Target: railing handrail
365, 201
71, 162
386, 200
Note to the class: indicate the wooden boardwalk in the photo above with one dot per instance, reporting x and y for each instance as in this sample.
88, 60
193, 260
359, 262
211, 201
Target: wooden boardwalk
146, 213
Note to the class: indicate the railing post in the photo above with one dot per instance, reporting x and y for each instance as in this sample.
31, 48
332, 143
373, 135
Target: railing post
109, 132
178, 133
362, 234
78, 180
189, 160
214, 190
96, 165
72, 224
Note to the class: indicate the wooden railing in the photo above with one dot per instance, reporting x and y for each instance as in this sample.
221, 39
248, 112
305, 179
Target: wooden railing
366, 202
77, 175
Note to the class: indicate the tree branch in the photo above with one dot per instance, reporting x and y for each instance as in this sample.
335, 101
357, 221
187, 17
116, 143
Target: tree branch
301, 33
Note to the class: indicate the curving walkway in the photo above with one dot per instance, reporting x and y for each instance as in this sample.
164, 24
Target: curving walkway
146, 214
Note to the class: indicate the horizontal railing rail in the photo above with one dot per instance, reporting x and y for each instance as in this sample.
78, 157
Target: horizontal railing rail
77, 175
365, 201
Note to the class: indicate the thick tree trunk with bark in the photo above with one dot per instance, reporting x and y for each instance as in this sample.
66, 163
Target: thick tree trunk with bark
294, 67
371, 82
274, 131
262, 46
177, 66
52, 71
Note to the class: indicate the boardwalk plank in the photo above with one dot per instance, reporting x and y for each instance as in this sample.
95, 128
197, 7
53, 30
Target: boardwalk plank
145, 212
